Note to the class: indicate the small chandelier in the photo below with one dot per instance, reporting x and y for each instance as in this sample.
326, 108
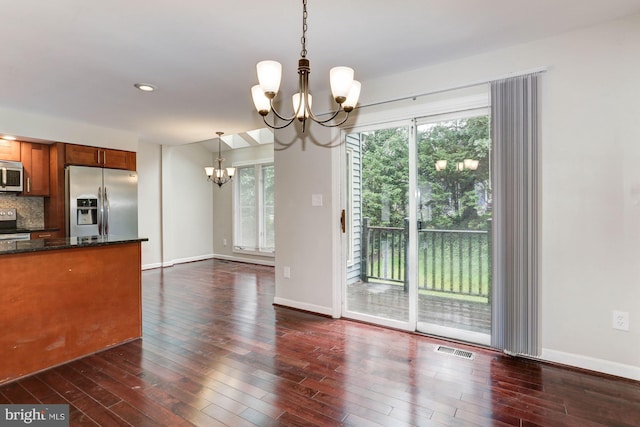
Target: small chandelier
470, 164
345, 90
218, 175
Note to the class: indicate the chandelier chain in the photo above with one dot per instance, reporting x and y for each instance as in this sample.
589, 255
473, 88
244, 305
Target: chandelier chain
303, 40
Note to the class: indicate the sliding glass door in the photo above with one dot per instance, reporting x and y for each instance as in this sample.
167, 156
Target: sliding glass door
454, 224
377, 169
418, 218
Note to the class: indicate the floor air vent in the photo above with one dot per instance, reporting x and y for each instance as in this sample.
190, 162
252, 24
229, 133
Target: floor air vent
454, 352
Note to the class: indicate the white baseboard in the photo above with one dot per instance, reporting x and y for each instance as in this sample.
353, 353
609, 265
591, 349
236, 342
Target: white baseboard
152, 266
185, 260
192, 259
327, 311
592, 364
269, 262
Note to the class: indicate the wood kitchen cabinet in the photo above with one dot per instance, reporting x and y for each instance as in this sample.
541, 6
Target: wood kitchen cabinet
83, 155
54, 204
9, 150
53, 234
62, 303
35, 161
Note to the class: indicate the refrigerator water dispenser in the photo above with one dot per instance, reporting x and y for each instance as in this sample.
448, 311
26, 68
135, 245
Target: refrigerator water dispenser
87, 211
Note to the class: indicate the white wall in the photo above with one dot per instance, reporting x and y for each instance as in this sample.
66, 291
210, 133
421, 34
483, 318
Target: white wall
223, 206
149, 166
187, 204
303, 231
590, 241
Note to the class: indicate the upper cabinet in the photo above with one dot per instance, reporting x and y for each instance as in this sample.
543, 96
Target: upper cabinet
9, 150
83, 155
35, 162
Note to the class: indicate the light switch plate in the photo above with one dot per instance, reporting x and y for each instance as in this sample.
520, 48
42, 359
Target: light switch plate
316, 200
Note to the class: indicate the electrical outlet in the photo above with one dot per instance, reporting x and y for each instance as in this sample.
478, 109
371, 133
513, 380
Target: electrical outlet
286, 272
621, 320
224, 242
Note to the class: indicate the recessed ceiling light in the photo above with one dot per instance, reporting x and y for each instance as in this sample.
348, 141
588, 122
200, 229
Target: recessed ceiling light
9, 137
145, 87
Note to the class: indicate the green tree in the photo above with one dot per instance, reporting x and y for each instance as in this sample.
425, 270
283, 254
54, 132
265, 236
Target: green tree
449, 198
459, 193
385, 178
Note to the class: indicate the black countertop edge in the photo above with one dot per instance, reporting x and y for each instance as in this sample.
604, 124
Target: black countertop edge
39, 245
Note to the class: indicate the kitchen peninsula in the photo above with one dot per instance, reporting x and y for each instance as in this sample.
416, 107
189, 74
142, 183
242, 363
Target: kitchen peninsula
66, 298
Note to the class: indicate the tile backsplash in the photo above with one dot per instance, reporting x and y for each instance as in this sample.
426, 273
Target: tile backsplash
30, 210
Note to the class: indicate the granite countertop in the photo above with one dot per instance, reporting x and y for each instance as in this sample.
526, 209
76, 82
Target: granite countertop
38, 245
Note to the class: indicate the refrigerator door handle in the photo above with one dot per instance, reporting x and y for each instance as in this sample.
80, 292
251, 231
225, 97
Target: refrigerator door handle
106, 213
100, 209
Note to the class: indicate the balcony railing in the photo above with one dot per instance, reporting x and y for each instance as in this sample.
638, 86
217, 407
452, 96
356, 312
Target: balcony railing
450, 261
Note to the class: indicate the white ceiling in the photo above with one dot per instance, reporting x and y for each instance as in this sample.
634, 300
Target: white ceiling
79, 59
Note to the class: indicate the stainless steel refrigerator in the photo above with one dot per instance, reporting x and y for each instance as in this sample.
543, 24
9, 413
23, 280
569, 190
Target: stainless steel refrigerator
101, 202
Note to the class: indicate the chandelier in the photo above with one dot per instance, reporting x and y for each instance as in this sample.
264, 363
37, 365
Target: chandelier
219, 175
469, 164
344, 88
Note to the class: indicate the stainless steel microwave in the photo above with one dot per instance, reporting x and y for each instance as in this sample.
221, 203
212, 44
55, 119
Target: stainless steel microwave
10, 176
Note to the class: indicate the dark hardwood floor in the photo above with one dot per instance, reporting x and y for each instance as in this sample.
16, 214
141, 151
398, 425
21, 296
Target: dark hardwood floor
215, 351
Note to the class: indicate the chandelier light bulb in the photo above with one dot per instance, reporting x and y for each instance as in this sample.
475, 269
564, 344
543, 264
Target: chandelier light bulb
341, 79
352, 99
470, 164
269, 76
261, 102
300, 110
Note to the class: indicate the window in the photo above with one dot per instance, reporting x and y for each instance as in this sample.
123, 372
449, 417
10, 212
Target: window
254, 211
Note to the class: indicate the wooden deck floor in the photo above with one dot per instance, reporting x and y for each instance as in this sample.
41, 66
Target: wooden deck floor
392, 301
216, 352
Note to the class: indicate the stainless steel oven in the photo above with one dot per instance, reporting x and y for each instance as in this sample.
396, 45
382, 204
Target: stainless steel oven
8, 226
9, 242
15, 236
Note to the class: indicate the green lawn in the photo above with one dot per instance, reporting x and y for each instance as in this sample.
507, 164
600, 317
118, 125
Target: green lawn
449, 264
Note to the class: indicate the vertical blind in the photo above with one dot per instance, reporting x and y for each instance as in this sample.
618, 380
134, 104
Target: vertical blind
515, 156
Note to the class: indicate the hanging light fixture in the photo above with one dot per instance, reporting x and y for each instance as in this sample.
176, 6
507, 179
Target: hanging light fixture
344, 88
219, 175
470, 164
